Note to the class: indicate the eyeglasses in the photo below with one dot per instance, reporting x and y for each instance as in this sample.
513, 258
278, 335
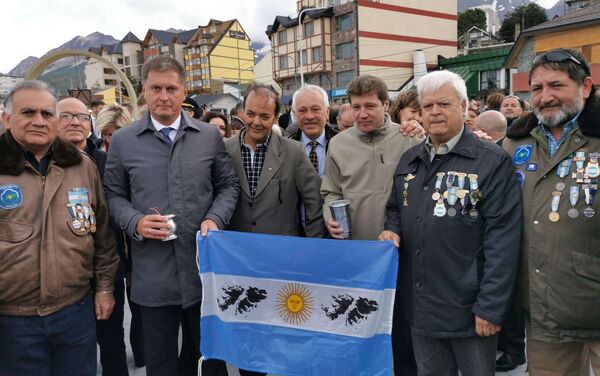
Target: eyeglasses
69, 116
560, 56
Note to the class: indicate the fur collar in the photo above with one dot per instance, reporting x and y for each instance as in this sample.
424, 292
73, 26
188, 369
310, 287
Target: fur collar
12, 160
588, 121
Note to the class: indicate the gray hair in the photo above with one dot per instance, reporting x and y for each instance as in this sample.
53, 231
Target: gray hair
433, 81
309, 87
26, 85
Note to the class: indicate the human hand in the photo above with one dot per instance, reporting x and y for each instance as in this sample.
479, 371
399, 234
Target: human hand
484, 328
104, 303
334, 229
390, 235
206, 225
153, 226
482, 135
412, 128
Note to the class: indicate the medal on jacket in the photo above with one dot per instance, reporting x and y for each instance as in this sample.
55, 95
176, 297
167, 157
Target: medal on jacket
592, 170
440, 209
438, 186
573, 198
579, 159
554, 216
450, 178
407, 179
474, 195
79, 208
462, 192
563, 171
590, 192
452, 197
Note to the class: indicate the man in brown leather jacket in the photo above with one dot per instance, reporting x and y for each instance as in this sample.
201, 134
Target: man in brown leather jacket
54, 238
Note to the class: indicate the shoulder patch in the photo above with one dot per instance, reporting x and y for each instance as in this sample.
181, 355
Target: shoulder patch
522, 154
11, 196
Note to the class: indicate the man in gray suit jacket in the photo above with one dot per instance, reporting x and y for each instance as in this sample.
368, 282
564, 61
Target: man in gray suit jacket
168, 163
275, 174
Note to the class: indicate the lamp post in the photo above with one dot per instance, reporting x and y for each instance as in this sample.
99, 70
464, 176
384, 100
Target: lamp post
300, 41
295, 67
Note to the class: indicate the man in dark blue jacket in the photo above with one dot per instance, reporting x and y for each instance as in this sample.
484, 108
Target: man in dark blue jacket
455, 213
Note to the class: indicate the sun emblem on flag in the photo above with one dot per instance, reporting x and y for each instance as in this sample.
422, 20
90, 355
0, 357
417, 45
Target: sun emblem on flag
295, 303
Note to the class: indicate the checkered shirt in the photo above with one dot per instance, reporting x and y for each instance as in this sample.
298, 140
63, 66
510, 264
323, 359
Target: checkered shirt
253, 166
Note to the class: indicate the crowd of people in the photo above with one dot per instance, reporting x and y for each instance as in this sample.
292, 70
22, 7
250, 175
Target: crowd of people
492, 210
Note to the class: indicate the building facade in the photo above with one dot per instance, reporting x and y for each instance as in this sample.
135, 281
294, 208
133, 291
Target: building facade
166, 42
341, 39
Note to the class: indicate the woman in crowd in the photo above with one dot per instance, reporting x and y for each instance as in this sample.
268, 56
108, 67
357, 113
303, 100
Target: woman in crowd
218, 120
111, 118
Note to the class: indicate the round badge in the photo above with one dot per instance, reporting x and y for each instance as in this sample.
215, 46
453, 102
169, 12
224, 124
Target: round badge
436, 196
93, 228
439, 211
462, 193
473, 213
522, 154
76, 224
451, 212
573, 213
520, 177
554, 217
589, 212
592, 171
560, 186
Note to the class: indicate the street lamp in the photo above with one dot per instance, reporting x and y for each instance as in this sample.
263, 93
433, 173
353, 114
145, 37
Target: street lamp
300, 41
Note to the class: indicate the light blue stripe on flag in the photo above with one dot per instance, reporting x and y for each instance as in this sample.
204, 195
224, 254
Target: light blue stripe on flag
297, 306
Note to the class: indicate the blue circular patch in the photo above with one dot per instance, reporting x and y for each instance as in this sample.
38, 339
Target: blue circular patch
10, 196
522, 154
520, 177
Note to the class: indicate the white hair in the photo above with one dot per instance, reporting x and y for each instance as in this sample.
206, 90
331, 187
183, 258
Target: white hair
309, 87
433, 81
23, 85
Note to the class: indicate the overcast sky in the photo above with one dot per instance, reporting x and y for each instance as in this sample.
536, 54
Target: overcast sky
33, 27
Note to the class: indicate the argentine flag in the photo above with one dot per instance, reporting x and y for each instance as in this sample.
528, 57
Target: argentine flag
297, 306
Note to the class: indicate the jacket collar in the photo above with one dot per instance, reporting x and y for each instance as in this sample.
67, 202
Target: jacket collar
12, 160
587, 121
465, 147
329, 133
145, 123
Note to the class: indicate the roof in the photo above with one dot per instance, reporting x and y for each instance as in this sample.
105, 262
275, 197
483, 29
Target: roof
491, 59
185, 36
287, 22
168, 37
112, 49
131, 38
210, 98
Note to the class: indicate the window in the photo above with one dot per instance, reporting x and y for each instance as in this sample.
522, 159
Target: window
127, 60
344, 78
282, 37
283, 62
304, 57
344, 22
309, 29
119, 60
108, 71
489, 80
316, 55
344, 50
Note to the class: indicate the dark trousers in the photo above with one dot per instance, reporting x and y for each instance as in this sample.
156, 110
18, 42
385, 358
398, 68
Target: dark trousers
111, 336
160, 326
135, 332
63, 343
473, 356
402, 346
511, 338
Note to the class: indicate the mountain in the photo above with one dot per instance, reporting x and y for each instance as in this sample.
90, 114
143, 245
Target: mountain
506, 6
78, 43
23, 66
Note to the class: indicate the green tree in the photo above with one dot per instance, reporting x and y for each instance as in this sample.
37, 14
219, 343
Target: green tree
470, 18
525, 15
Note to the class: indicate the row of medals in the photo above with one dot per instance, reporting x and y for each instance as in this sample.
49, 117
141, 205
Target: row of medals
586, 177
83, 217
452, 194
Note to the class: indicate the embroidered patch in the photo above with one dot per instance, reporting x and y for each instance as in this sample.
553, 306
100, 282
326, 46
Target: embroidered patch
522, 154
11, 196
520, 177
531, 167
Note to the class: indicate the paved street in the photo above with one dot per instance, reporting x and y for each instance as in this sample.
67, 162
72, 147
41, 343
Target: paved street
232, 371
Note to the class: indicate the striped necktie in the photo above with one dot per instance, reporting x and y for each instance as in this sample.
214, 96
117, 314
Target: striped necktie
165, 132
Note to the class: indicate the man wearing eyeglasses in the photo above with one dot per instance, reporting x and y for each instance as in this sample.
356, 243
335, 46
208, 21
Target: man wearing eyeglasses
556, 153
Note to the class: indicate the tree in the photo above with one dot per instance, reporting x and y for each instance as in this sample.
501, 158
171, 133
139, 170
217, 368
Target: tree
470, 18
524, 15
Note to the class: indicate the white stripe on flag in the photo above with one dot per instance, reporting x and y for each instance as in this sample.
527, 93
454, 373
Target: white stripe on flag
323, 308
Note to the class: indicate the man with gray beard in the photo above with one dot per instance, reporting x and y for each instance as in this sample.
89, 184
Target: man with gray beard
556, 152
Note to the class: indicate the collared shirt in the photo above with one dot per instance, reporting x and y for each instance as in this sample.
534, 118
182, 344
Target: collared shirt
253, 160
553, 144
321, 143
40, 166
174, 126
444, 148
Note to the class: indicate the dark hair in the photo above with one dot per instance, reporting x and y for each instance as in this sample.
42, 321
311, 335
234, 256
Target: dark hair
408, 98
494, 101
521, 102
333, 113
209, 115
237, 108
96, 103
576, 72
161, 64
263, 89
365, 85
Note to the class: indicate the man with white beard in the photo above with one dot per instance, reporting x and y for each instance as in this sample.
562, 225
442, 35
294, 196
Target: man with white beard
556, 152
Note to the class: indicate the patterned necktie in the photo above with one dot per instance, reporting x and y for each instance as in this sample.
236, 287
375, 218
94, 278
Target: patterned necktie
165, 132
313, 155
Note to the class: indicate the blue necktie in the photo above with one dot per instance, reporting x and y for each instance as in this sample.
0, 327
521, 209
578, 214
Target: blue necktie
165, 132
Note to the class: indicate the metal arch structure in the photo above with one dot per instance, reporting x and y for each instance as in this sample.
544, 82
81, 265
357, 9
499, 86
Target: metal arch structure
38, 68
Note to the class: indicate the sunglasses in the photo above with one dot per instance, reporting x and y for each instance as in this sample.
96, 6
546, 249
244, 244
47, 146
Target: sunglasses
559, 56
